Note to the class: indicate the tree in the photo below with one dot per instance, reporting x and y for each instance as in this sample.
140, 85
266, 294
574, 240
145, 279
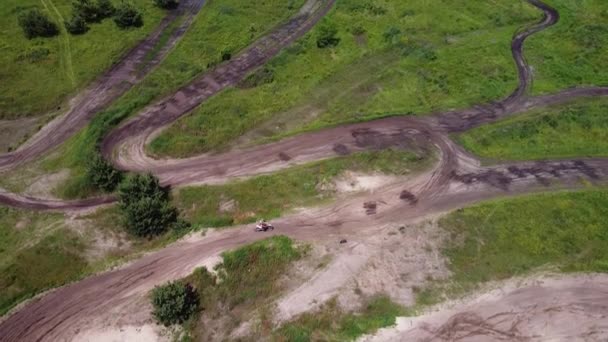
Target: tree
327, 36
100, 173
145, 205
105, 9
76, 25
36, 24
167, 4
174, 303
128, 16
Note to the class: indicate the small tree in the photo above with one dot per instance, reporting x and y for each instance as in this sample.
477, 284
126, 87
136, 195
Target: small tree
105, 9
174, 303
76, 25
100, 173
128, 16
167, 4
36, 24
145, 205
327, 36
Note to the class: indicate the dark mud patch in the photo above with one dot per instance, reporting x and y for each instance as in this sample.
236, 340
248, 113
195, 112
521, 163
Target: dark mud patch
284, 157
341, 149
408, 197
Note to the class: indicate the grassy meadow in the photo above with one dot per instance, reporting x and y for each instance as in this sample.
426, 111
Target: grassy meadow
562, 231
572, 131
408, 57
38, 75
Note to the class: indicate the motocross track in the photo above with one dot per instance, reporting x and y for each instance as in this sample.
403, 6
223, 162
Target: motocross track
456, 180
126, 73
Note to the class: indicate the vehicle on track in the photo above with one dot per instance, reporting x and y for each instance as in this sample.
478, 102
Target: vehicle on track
263, 226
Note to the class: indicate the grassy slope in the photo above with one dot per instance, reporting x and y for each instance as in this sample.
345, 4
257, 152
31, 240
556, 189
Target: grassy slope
227, 25
575, 130
296, 187
36, 253
573, 52
564, 230
367, 75
38, 75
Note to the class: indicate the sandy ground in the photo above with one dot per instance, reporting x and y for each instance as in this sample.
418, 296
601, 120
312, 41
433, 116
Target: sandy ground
146, 333
544, 308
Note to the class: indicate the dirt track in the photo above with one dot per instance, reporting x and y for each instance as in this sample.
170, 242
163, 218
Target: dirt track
130, 70
455, 181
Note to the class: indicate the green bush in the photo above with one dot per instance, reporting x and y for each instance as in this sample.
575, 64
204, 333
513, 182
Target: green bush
145, 205
167, 4
102, 174
87, 9
76, 25
174, 303
128, 16
36, 24
105, 8
327, 36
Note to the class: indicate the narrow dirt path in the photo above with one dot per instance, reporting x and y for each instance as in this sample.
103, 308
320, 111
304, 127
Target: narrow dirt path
129, 71
455, 181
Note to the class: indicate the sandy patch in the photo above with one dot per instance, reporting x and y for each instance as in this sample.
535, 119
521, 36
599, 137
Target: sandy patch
394, 262
44, 185
146, 333
354, 182
541, 308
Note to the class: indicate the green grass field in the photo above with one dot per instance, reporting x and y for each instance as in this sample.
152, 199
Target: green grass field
406, 57
563, 231
37, 252
573, 52
296, 187
227, 25
572, 131
39, 75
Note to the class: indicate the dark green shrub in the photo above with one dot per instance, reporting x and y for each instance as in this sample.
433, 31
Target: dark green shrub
86, 9
36, 24
226, 55
105, 8
128, 16
174, 303
327, 36
145, 205
167, 4
76, 25
102, 174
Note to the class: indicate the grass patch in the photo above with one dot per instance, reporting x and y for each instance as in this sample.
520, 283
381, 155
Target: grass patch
408, 57
571, 53
270, 196
219, 27
330, 323
564, 230
39, 75
572, 131
36, 253
246, 279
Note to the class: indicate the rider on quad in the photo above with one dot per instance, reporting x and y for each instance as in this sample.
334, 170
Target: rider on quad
263, 226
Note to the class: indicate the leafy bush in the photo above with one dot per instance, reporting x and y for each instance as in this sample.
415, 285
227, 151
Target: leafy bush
174, 303
105, 8
102, 174
167, 4
128, 16
36, 24
146, 207
327, 36
76, 25
86, 9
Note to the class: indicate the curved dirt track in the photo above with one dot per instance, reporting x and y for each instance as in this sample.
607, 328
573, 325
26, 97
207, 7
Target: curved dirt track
130, 70
565, 308
456, 180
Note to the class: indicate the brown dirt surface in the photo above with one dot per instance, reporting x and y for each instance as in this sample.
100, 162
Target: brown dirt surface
456, 180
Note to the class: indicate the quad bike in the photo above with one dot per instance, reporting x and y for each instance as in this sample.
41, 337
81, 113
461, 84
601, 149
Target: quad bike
263, 226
